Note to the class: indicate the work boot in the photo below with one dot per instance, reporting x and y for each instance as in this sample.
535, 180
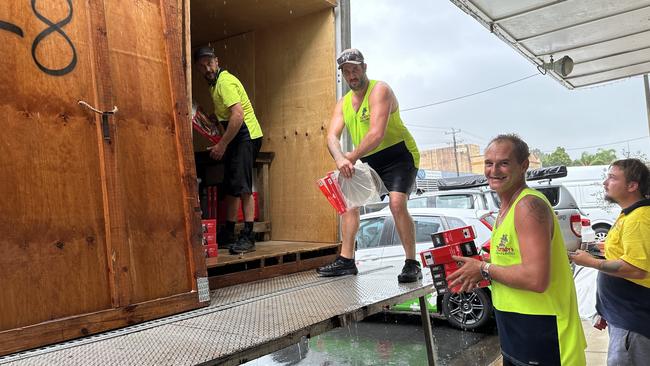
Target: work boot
245, 244
340, 267
411, 272
225, 239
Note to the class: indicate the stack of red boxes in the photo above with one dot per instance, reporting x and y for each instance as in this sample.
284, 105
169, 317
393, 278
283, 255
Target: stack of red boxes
209, 228
458, 242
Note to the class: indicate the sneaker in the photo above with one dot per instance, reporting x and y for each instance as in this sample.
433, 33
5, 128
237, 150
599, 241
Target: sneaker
340, 267
411, 272
243, 245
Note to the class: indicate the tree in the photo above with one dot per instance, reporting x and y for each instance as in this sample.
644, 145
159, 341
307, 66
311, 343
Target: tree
637, 155
557, 157
601, 157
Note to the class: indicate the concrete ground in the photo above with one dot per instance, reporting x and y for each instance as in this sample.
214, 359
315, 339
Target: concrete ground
596, 351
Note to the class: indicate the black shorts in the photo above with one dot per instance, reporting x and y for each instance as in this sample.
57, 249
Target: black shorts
238, 163
395, 166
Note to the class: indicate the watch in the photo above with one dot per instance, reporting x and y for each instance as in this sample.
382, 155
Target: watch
485, 271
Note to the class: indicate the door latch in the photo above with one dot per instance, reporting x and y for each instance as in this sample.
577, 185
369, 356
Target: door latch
106, 133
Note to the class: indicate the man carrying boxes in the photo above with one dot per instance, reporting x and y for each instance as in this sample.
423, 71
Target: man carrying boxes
532, 284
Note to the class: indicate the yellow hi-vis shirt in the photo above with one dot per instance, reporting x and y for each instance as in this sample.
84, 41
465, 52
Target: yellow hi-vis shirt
358, 124
525, 315
229, 91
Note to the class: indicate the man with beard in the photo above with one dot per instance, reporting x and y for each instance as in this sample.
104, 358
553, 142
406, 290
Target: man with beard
370, 112
623, 283
237, 148
532, 284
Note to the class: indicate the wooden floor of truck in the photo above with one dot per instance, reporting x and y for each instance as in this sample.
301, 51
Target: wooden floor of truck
270, 259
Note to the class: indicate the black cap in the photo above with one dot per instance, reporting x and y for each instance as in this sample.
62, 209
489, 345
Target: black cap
350, 56
203, 51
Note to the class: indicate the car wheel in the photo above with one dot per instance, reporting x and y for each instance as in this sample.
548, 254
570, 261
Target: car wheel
467, 310
601, 233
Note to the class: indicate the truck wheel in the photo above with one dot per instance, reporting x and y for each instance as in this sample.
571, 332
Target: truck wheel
467, 310
601, 233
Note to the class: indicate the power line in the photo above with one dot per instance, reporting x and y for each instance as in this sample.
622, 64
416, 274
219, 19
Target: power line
469, 95
607, 144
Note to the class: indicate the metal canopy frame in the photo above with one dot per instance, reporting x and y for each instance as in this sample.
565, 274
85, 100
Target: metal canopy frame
607, 39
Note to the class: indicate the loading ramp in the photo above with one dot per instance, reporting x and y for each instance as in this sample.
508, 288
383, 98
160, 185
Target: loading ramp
243, 322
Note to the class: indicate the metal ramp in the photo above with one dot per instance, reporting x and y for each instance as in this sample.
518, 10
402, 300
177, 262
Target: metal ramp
242, 323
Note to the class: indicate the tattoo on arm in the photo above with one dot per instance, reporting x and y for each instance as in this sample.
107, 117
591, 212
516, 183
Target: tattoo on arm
539, 210
610, 266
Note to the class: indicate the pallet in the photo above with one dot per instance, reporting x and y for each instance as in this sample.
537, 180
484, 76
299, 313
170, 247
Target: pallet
271, 259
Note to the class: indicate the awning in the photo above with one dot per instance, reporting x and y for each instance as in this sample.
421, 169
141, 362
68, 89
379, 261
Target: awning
607, 39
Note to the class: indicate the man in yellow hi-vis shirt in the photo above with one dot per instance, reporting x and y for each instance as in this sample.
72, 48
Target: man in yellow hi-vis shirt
532, 284
623, 281
238, 147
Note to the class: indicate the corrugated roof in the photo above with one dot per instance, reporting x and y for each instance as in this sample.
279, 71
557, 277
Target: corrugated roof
607, 39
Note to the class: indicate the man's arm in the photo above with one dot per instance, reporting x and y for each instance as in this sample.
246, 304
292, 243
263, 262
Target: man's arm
614, 267
234, 124
534, 226
334, 141
381, 105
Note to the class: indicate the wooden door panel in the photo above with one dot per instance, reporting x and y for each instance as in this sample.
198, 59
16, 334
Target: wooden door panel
53, 260
147, 154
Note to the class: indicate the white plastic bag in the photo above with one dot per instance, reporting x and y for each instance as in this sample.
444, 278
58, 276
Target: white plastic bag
365, 186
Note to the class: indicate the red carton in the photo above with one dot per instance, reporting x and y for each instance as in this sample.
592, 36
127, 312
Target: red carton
211, 250
209, 239
209, 226
454, 236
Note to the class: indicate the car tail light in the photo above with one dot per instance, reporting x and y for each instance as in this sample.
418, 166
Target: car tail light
576, 225
586, 222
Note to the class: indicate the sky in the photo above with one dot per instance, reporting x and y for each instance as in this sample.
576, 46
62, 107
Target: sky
431, 51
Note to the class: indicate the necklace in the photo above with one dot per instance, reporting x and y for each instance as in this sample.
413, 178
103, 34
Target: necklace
503, 211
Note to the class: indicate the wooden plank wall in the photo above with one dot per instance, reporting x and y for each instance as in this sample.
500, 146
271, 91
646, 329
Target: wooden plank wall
53, 261
296, 92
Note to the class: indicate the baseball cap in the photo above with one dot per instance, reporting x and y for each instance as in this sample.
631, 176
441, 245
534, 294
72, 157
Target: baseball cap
203, 51
350, 56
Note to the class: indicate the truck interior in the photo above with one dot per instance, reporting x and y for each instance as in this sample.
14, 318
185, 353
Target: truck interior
279, 50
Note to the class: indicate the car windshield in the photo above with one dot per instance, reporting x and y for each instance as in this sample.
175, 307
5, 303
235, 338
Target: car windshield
443, 201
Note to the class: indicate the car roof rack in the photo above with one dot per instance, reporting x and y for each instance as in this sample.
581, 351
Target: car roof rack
475, 181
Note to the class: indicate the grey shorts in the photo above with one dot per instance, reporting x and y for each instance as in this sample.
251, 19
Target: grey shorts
627, 348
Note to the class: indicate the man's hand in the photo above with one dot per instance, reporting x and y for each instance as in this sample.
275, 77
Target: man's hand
582, 258
217, 151
345, 166
468, 275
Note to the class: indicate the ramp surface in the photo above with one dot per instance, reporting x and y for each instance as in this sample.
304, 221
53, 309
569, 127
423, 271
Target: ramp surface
243, 322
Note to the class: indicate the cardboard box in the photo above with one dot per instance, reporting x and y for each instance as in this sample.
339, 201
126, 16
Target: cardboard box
442, 255
209, 226
209, 239
211, 250
453, 236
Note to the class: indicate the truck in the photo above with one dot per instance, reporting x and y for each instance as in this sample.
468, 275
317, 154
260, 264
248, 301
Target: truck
101, 218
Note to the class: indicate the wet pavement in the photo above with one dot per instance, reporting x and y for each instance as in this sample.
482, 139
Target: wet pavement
389, 340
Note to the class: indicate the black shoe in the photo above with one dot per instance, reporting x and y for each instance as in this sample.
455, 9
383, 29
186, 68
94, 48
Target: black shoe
411, 272
243, 245
226, 240
340, 267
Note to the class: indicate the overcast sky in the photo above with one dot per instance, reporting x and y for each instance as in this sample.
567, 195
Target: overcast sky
430, 51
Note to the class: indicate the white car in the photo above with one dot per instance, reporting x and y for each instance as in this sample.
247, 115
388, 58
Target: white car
378, 244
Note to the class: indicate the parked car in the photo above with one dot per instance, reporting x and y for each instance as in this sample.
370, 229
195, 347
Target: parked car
379, 244
483, 198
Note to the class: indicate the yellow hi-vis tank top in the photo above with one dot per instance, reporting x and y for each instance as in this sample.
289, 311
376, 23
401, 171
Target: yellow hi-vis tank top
358, 124
559, 299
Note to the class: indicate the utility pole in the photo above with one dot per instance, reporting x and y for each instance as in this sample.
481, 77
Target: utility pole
453, 134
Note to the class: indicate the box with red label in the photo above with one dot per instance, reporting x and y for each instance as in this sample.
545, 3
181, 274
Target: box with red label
209, 226
209, 239
211, 250
442, 255
440, 272
453, 236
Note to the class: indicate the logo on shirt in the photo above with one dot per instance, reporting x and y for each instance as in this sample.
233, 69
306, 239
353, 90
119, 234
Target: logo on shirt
503, 248
364, 114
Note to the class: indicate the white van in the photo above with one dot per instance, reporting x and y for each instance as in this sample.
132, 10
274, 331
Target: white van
586, 185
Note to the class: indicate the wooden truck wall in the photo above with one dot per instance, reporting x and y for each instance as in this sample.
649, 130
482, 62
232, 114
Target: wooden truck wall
98, 213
